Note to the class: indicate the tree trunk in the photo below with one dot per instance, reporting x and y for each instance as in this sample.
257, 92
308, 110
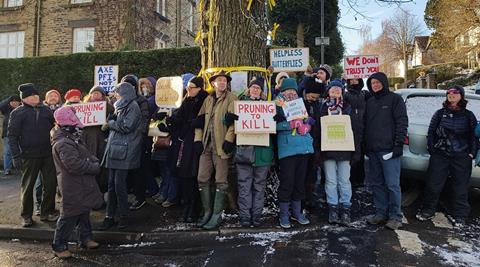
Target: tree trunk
237, 36
405, 65
300, 35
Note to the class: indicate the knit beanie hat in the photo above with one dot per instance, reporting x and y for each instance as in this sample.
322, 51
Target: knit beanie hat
289, 83
14, 98
312, 86
65, 116
97, 89
71, 93
337, 83
53, 91
131, 79
459, 89
197, 82
258, 81
27, 89
280, 75
325, 68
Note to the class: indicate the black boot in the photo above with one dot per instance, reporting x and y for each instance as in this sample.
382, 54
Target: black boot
333, 214
345, 217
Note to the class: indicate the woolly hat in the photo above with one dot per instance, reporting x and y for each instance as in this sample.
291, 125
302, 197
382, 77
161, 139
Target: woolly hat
71, 93
325, 68
289, 83
197, 82
53, 91
131, 79
337, 83
97, 89
26, 90
14, 98
186, 77
65, 116
312, 86
280, 75
459, 89
258, 81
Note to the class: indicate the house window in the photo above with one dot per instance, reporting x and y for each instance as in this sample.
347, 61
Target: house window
83, 38
11, 44
81, 1
159, 43
192, 17
161, 8
12, 3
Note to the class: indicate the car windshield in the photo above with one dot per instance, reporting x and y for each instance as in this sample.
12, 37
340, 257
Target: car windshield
420, 109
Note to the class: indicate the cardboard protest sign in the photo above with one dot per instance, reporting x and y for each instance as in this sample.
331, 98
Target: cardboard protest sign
255, 117
106, 77
359, 67
253, 139
239, 81
294, 109
289, 59
169, 92
91, 113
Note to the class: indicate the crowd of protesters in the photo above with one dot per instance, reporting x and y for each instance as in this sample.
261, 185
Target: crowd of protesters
96, 167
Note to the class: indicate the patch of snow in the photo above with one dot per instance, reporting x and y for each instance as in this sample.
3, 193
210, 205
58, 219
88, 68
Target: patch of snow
441, 221
15, 240
410, 242
175, 227
138, 245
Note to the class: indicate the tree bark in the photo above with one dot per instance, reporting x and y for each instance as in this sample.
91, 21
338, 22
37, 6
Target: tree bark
300, 35
238, 36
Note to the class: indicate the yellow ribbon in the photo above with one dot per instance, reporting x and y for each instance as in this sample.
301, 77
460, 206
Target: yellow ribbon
274, 30
271, 4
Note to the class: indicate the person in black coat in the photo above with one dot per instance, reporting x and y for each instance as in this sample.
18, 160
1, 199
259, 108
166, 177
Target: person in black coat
386, 123
6, 106
357, 99
187, 160
452, 145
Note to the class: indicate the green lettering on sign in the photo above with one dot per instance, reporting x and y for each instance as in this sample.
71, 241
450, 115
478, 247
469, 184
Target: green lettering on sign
336, 132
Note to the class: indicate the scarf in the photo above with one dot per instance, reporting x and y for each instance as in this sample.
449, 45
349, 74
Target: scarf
335, 106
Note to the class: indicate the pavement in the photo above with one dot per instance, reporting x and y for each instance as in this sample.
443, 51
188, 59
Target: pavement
155, 238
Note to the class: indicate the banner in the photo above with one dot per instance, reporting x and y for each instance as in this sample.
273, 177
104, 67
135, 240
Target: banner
106, 77
289, 59
359, 67
91, 113
255, 117
169, 92
336, 133
294, 109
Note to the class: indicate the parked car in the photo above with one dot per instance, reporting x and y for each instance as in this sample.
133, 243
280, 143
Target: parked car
421, 105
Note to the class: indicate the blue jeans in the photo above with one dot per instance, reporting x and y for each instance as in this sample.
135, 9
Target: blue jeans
65, 227
7, 155
38, 190
384, 177
168, 187
337, 183
117, 193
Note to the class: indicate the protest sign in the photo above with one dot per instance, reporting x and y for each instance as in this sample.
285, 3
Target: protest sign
169, 92
289, 59
91, 113
359, 67
255, 117
253, 139
106, 77
239, 81
294, 109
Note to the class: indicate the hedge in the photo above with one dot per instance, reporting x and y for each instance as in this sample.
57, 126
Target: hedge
76, 70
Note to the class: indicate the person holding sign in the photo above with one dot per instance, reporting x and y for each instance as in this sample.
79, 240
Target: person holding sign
294, 147
336, 164
320, 75
215, 141
73, 96
386, 123
253, 163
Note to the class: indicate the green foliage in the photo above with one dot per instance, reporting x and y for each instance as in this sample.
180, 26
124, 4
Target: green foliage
337, 71
290, 13
77, 70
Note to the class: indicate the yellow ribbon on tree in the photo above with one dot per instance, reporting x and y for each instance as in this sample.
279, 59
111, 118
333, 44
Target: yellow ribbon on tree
271, 4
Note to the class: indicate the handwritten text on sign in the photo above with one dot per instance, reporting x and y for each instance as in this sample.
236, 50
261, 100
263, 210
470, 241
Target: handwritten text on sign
255, 117
106, 77
289, 59
91, 113
295, 109
358, 67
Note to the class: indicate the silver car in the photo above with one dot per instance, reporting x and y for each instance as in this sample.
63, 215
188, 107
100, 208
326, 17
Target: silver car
421, 105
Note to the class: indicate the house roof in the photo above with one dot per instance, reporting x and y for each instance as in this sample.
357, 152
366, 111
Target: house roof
423, 42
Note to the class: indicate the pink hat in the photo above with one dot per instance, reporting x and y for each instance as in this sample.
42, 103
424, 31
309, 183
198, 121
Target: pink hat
65, 116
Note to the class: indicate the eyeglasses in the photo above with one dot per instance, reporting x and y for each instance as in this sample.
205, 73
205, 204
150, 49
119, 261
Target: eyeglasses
453, 91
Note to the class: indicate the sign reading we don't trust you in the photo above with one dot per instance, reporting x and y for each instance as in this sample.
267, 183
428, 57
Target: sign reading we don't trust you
359, 67
289, 59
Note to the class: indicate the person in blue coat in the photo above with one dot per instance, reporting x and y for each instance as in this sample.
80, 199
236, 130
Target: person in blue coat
294, 148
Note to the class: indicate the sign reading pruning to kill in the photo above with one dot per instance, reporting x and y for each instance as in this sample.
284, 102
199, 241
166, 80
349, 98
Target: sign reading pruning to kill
106, 77
91, 113
169, 92
289, 59
255, 117
359, 67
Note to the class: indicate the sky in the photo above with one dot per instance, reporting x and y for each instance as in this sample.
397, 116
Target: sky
376, 12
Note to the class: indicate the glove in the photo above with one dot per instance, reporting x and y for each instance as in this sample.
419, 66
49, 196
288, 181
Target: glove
112, 117
169, 121
279, 118
159, 116
163, 128
198, 147
17, 163
199, 122
310, 121
295, 124
230, 118
303, 129
104, 127
397, 151
228, 147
